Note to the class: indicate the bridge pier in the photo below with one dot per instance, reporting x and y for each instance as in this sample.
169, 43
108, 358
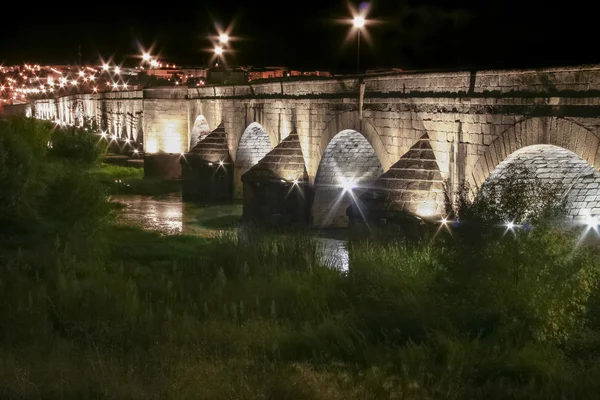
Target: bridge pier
207, 170
410, 193
162, 166
276, 190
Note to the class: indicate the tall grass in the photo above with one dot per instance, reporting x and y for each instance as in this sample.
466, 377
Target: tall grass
94, 310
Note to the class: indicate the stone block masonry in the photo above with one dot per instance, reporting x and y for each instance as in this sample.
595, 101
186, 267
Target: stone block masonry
474, 119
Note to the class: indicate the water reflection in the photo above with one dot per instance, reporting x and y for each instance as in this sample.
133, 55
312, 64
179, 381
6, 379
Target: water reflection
164, 215
170, 216
334, 253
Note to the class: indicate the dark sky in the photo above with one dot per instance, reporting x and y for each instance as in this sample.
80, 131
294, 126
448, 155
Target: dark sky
411, 34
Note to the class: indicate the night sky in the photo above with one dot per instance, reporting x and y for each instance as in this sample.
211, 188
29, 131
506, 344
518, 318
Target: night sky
415, 34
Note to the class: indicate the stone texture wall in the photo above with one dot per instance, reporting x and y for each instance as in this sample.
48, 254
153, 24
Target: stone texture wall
576, 179
253, 147
474, 119
118, 113
200, 130
166, 125
347, 169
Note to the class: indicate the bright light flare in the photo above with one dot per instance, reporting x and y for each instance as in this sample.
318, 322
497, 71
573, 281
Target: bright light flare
358, 21
146, 57
348, 185
105, 67
224, 38
510, 225
117, 70
218, 50
591, 221
154, 63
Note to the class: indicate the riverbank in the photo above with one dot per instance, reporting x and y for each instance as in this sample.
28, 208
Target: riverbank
94, 309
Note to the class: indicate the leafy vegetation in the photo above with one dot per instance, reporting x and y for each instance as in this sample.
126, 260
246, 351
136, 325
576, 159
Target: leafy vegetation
91, 309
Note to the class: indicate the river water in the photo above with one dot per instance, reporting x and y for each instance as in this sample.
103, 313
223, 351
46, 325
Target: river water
169, 215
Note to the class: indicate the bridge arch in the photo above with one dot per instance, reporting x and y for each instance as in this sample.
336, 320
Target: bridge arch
576, 180
350, 120
348, 166
200, 130
254, 144
555, 131
558, 151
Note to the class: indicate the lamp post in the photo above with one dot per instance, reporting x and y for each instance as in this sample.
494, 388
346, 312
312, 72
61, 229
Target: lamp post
218, 52
358, 22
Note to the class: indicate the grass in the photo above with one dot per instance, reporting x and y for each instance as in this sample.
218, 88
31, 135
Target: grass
90, 309
130, 180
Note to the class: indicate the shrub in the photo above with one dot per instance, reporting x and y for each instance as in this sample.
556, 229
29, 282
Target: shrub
78, 145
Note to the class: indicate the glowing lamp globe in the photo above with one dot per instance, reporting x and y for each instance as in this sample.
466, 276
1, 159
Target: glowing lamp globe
358, 21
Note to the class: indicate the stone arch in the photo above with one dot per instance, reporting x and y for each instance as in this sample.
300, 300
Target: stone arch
555, 131
200, 130
347, 168
350, 120
575, 178
253, 145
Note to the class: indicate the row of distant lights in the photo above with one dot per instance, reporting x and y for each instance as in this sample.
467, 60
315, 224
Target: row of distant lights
64, 82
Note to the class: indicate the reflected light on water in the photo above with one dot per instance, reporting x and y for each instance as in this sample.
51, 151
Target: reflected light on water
162, 215
334, 253
170, 216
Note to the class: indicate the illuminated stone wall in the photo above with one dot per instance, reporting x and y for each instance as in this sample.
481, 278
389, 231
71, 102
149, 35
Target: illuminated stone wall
166, 127
474, 119
347, 168
200, 130
576, 179
254, 145
117, 113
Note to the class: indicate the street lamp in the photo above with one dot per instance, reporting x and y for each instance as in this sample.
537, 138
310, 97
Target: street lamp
146, 57
218, 53
224, 38
358, 22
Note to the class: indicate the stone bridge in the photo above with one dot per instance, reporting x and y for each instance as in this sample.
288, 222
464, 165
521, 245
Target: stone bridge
395, 145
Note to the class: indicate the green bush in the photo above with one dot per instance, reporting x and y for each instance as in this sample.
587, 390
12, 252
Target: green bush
78, 145
47, 192
23, 148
